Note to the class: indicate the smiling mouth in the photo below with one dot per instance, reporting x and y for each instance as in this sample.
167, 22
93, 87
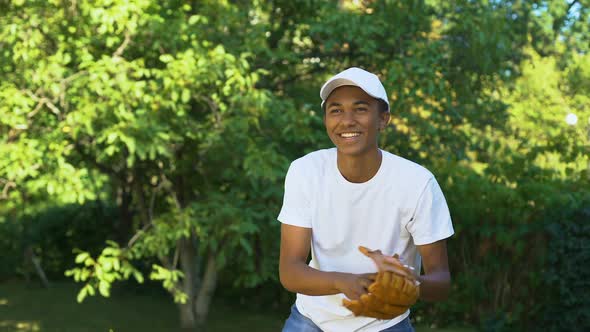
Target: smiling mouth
350, 135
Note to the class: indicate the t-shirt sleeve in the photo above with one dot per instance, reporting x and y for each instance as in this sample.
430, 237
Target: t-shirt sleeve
431, 220
296, 209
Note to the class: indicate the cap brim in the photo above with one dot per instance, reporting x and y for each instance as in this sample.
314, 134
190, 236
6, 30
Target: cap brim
332, 85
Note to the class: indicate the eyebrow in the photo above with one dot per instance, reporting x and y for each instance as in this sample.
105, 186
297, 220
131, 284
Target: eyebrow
359, 102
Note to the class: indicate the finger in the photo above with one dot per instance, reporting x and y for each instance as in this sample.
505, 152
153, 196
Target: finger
371, 302
386, 263
409, 286
350, 305
364, 250
393, 260
364, 298
368, 252
411, 271
356, 294
397, 267
413, 291
353, 306
378, 279
386, 278
397, 282
347, 302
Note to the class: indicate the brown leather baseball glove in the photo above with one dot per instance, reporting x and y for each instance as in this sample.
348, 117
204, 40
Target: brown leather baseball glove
391, 294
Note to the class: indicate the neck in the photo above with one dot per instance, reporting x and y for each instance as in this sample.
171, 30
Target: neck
359, 169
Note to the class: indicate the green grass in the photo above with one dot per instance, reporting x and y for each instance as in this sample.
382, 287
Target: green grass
31, 308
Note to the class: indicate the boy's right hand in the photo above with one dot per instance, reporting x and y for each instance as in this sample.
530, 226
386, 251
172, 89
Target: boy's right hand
389, 263
354, 285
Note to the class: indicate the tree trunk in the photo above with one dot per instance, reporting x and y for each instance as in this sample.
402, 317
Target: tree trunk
187, 315
143, 205
207, 289
125, 215
31, 258
187, 252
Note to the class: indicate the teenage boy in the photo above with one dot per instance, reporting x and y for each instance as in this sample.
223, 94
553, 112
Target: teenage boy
352, 195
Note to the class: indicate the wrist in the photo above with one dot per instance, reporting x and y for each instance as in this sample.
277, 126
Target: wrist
337, 281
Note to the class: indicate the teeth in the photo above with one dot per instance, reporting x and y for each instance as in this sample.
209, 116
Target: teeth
347, 135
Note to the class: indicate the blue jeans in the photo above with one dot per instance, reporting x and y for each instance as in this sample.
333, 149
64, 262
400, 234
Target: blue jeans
299, 323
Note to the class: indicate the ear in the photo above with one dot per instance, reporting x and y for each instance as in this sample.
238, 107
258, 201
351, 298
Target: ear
384, 118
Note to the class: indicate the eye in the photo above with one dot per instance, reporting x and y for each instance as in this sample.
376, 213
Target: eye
361, 109
335, 110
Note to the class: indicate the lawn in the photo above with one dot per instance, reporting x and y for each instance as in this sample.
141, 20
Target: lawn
31, 308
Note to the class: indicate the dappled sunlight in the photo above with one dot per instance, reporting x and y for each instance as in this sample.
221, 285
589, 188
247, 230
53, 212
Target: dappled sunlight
20, 326
146, 147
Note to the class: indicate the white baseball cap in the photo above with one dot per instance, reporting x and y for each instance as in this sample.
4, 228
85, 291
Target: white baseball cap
369, 82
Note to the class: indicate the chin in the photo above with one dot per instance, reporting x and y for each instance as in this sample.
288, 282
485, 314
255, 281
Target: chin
351, 150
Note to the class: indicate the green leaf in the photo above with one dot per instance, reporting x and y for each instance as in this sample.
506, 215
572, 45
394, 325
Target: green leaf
82, 294
138, 276
104, 288
246, 246
81, 257
166, 58
186, 95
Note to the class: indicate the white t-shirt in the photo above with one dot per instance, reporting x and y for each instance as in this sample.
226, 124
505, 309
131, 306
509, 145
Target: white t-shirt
400, 207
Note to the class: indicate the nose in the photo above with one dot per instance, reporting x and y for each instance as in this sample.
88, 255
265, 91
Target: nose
348, 118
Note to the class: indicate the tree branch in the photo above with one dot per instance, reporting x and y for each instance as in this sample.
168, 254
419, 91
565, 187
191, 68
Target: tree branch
558, 23
214, 108
172, 192
73, 6
176, 254
137, 235
153, 201
149, 223
123, 46
7, 185
73, 76
42, 101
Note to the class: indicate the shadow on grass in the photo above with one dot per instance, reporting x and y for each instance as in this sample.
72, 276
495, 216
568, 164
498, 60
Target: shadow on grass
30, 308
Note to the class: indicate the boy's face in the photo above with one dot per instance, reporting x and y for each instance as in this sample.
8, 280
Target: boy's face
353, 120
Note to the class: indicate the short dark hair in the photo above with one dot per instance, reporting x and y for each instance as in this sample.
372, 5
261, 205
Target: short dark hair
383, 106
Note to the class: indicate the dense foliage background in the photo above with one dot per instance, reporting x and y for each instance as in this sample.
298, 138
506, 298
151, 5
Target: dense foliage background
145, 139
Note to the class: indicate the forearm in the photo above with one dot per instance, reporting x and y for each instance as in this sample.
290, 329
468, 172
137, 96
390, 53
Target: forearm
435, 286
298, 277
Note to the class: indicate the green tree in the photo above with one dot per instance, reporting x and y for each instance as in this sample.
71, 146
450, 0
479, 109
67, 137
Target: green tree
185, 116
131, 101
